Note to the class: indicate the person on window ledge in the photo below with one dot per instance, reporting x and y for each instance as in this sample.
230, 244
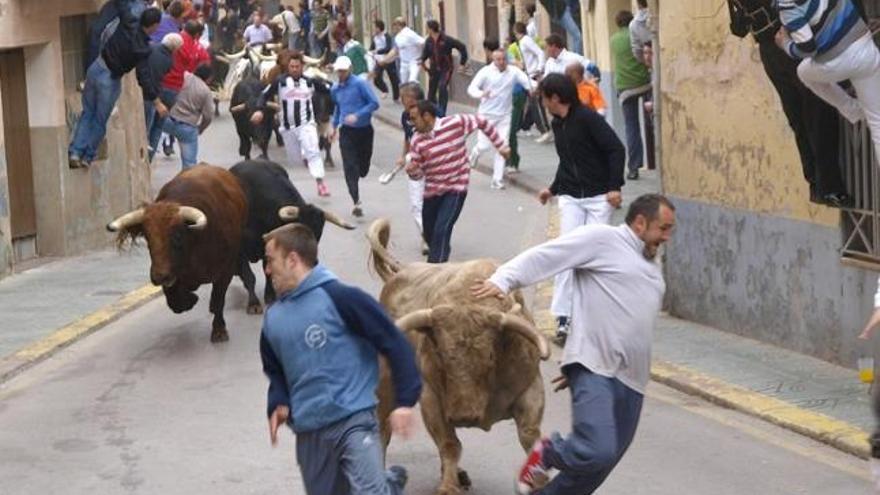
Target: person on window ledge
809, 116
128, 47
437, 57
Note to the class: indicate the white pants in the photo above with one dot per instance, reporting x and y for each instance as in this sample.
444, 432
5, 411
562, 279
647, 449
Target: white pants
860, 63
301, 143
416, 198
409, 71
502, 125
573, 213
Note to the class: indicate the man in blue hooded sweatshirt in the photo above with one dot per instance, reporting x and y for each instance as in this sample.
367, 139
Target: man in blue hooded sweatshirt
319, 345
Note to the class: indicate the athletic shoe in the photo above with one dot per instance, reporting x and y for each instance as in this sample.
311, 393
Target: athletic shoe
533, 474
322, 190
511, 170
168, 149
473, 159
563, 326
74, 162
633, 175
497, 184
357, 210
545, 138
425, 249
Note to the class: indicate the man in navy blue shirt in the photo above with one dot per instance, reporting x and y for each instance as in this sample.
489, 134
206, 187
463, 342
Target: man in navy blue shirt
355, 103
320, 349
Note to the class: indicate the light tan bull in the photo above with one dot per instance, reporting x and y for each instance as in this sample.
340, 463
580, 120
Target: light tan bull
479, 359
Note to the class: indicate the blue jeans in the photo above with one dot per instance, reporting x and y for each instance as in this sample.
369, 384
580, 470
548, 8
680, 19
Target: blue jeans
98, 99
634, 151
154, 127
574, 31
439, 214
346, 458
188, 137
605, 414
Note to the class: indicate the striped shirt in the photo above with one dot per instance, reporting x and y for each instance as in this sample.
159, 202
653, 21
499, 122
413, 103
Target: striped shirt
296, 99
821, 29
441, 154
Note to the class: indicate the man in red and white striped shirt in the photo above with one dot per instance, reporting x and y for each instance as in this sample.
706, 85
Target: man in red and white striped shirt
438, 152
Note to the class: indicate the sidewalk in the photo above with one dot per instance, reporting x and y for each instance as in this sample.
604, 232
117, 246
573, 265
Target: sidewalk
812, 397
801, 393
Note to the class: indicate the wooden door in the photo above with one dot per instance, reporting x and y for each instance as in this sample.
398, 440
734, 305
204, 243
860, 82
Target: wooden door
490, 19
17, 140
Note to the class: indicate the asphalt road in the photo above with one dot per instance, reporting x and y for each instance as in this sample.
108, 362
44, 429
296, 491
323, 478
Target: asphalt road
148, 405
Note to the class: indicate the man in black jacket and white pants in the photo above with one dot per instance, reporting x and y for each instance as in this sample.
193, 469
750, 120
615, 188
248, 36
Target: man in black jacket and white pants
588, 180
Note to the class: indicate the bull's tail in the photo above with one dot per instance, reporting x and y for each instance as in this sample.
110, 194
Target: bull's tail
381, 260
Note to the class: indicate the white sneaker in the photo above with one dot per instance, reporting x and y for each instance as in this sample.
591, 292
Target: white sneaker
497, 184
545, 138
473, 159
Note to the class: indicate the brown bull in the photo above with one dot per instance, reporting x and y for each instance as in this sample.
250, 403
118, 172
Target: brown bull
479, 359
193, 232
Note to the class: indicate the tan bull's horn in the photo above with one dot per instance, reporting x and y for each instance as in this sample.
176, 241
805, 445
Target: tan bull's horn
129, 219
196, 218
288, 213
420, 318
273, 105
516, 308
237, 108
337, 220
527, 330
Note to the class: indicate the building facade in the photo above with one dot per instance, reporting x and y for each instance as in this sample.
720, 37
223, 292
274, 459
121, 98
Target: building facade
47, 209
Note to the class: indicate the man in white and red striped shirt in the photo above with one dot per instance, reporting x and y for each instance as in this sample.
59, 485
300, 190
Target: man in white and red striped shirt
438, 152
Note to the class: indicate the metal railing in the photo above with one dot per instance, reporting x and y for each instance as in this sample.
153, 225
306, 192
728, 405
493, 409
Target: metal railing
861, 222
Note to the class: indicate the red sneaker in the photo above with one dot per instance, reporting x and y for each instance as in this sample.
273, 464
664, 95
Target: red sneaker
533, 474
322, 190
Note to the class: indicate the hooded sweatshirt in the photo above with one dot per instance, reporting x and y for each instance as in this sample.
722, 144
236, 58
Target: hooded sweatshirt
320, 344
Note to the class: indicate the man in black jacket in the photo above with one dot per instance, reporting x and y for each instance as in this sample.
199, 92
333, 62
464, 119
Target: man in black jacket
589, 177
380, 47
808, 115
126, 48
160, 61
437, 55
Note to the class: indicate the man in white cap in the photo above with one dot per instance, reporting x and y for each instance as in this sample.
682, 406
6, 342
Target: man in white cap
355, 103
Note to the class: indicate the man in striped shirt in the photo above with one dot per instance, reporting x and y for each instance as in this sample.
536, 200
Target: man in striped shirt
298, 127
438, 152
834, 44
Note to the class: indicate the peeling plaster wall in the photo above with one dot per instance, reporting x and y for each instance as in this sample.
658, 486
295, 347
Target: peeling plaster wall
750, 255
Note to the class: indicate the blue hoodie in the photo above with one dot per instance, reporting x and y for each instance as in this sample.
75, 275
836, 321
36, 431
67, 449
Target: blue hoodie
319, 349
353, 96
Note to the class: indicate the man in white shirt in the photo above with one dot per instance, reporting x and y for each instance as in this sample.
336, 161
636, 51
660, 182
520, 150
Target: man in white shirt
533, 60
558, 57
408, 47
257, 33
493, 85
606, 362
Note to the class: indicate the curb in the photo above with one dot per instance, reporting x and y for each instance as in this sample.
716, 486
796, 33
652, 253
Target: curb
830, 431
514, 180
38, 351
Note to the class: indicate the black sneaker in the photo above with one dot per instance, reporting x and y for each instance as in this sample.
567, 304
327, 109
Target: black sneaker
167, 148
358, 210
838, 200
563, 326
633, 175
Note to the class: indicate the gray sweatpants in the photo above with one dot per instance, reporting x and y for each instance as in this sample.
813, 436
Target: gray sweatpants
346, 458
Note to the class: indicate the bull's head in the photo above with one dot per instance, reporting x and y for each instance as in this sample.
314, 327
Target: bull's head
166, 227
468, 341
312, 217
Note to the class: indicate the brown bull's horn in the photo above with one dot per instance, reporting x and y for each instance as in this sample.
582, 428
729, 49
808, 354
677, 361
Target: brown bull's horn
288, 213
337, 220
129, 219
197, 219
237, 108
415, 320
527, 330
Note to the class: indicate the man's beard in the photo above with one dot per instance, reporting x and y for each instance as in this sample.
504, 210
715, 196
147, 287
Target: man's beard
648, 254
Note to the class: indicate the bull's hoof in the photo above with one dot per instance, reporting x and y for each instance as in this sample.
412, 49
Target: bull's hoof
219, 335
464, 480
255, 309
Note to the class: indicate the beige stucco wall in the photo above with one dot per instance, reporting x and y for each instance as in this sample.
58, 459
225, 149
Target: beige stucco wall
72, 205
725, 139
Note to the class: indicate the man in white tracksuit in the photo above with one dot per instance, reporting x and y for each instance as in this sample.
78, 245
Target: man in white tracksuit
410, 94
408, 46
298, 127
493, 85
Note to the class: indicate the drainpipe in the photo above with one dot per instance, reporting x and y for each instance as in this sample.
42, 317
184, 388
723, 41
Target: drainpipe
654, 8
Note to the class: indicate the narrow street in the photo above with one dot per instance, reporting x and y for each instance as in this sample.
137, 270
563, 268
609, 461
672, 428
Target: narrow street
148, 405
